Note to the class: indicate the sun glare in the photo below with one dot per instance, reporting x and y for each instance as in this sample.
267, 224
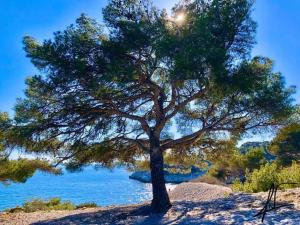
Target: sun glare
180, 18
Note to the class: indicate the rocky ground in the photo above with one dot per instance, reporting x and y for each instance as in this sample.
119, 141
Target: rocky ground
193, 203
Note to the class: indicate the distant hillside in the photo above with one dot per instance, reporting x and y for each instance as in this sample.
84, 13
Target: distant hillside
244, 148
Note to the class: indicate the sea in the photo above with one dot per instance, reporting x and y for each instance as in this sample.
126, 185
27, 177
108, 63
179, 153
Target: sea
102, 186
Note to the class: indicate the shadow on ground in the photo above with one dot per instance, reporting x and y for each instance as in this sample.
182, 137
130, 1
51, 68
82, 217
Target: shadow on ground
236, 209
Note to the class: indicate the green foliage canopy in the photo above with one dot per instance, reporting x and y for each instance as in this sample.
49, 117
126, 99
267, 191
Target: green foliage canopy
20, 169
286, 144
101, 95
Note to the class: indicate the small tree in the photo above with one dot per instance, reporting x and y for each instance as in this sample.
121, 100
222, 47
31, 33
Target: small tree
286, 144
110, 93
17, 170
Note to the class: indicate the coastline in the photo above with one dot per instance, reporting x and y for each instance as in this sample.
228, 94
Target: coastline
193, 203
107, 187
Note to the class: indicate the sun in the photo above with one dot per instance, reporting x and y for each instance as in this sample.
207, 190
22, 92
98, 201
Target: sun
180, 18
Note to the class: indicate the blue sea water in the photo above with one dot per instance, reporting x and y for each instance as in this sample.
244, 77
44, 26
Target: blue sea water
102, 186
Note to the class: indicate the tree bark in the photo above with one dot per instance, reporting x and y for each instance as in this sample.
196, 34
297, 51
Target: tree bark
160, 202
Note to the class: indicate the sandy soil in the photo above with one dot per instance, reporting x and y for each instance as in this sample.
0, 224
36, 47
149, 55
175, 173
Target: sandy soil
193, 203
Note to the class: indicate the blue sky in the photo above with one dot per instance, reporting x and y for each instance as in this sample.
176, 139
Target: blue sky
278, 36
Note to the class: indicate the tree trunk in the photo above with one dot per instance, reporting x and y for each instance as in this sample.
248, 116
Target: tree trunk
160, 202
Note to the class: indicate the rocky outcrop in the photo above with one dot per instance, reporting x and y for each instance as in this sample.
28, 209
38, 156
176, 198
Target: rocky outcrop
175, 178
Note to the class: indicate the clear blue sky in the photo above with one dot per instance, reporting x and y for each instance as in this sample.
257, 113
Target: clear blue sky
278, 35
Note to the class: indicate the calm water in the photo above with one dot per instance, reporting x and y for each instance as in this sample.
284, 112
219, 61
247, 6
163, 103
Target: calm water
103, 186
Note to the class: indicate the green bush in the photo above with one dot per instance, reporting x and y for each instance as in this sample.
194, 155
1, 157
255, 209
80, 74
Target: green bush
87, 205
235, 164
290, 175
17, 209
262, 179
34, 205
254, 158
259, 180
52, 204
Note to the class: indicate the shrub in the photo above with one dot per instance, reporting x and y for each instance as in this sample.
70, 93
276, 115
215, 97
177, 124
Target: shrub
52, 204
262, 179
259, 180
87, 205
207, 178
290, 175
34, 205
17, 209
234, 164
254, 158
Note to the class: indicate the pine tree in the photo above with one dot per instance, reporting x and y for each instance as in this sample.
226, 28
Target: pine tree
110, 93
